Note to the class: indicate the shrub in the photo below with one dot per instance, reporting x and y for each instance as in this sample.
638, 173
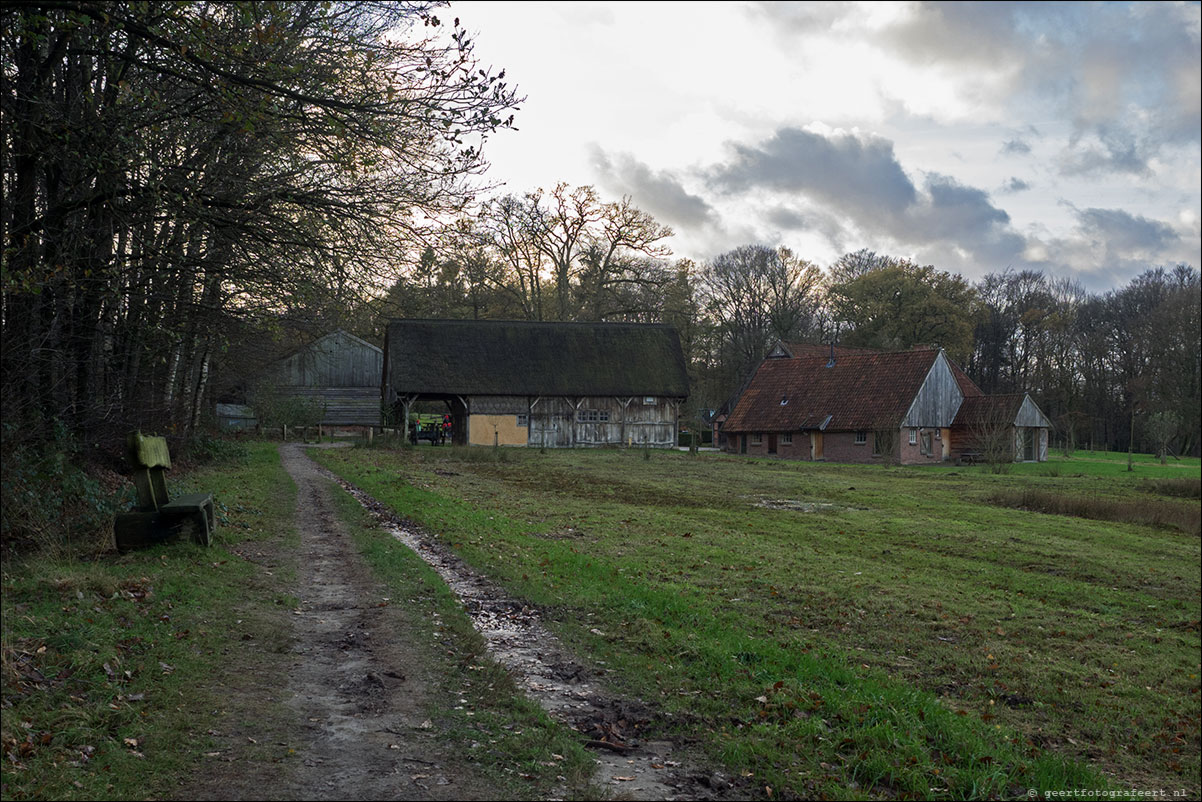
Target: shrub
1149, 512
208, 448
49, 502
1181, 488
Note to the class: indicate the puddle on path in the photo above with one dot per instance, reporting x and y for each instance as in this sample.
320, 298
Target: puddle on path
629, 767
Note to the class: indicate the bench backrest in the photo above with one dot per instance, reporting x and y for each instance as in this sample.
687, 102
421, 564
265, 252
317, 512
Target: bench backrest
149, 458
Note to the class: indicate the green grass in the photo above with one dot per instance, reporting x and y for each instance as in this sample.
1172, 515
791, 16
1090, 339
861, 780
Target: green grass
108, 665
902, 638
516, 744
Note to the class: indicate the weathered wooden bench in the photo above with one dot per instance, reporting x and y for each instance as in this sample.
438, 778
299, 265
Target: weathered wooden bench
158, 516
969, 457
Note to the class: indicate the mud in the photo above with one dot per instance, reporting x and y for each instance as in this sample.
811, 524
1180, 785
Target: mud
630, 767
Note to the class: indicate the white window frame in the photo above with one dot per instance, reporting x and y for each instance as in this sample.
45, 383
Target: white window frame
786, 439
913, 437
757, 438
862, 438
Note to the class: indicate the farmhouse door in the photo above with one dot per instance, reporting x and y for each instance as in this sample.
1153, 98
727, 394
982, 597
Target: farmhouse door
742, 444
815, 445
772, 443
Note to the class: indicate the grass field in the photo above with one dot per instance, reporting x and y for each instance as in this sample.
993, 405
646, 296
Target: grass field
113, 667
848, 631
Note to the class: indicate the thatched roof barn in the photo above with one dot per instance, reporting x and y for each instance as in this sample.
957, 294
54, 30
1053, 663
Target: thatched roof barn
543, 384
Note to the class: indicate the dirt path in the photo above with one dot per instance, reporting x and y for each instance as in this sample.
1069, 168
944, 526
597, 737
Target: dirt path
353, 722
349, 720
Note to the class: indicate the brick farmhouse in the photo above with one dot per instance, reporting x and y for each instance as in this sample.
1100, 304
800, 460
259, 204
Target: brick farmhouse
839, 404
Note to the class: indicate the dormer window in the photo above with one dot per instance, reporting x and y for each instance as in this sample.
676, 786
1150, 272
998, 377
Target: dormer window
784, 400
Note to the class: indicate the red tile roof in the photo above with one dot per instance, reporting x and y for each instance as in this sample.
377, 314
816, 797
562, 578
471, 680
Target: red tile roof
985, 410
862, 390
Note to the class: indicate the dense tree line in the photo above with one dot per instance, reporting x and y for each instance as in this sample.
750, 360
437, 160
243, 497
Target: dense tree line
173, 172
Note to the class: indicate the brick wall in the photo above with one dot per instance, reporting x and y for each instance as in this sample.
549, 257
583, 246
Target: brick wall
912, 454
842, 447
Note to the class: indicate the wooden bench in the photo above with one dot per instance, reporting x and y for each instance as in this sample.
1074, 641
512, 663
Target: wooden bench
158, 516
969, 457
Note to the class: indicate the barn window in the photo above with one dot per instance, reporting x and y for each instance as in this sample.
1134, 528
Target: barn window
786, 439
523, 420
650, 400
861, 438
592, 416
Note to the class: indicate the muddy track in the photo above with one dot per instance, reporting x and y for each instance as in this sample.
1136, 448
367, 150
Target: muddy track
356, 696
627, 765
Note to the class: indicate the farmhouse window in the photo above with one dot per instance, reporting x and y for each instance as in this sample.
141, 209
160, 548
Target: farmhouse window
913, 437
523, 420
786, 439
861, 438
592, 416
757, 439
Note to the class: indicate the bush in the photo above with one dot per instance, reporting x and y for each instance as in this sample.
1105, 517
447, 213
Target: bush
49, 502
1150, 512
1180, 488
209, 448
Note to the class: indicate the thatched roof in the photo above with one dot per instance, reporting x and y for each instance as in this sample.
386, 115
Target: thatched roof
492, 357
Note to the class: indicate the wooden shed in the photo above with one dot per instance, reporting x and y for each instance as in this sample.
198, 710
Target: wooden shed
554, 385
339, 370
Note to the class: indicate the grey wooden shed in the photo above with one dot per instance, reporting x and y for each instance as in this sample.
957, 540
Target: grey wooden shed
340, 370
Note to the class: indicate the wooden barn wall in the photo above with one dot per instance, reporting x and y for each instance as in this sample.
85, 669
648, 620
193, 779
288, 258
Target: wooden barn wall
938, 399
1029, 415
333, 361
345, 406
556, 423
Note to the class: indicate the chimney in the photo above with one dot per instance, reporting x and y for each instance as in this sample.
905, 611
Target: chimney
830, 363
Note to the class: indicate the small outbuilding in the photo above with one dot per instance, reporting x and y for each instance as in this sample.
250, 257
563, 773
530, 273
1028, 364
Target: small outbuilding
553, 385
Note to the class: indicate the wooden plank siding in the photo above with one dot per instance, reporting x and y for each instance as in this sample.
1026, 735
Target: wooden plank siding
937, 400
341, 371
336, 360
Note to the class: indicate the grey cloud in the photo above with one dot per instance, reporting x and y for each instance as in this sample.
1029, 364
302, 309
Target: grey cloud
1016, 184
975, 33
801, 17
1016, 147
858, 175
1127, 74
659, 192
788, 219
861, 179
1125, 234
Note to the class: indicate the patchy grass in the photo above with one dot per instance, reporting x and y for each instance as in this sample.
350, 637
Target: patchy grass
889, 634
491, 723
1148, 512
110, 666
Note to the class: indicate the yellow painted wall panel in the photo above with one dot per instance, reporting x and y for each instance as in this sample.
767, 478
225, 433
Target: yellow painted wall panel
487, 430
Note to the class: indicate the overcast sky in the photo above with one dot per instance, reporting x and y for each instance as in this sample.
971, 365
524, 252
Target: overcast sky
973, 137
